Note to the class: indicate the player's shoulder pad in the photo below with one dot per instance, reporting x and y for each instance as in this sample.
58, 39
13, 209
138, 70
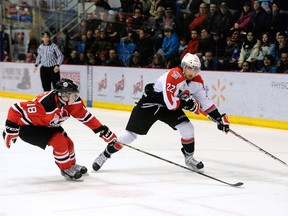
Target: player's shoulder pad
198, 79
48, 101
175, 74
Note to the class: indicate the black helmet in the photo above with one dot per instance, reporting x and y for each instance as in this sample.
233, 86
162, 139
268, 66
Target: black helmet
66, 86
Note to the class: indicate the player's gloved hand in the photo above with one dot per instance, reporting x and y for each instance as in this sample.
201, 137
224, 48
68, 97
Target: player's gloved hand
223, 123
107, 135
191, 105
10, 133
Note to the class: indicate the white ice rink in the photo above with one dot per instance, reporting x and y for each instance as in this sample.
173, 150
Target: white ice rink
132, 183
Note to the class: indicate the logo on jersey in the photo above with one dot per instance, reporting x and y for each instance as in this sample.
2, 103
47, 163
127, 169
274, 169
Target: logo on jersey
138, 87
176, 75
59, 119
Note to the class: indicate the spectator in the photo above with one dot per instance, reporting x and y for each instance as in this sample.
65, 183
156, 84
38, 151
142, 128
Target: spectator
121, 23
33, 43
209, 62
169, 19
205, 43
243, 23
113, 59
259, 19
266, 47
283, 65
281, 44
209, 21
156, 25
218, 44
154, 7
81, 46
146, 5
278, 21
249, 49
103, 57
135, 60
246, 67
143, 45
192, 45
183, 45
157, 62
90, 23
82, 59
112, 29
224, 20
59, 40
137, 19
170, 43
102, 21
198, 19
228, 59
104, 42
269, 64
182, 25
6, 44
89, 41
131, 6
73, 59
193, 6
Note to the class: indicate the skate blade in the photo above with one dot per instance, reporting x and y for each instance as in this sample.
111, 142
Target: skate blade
73, 179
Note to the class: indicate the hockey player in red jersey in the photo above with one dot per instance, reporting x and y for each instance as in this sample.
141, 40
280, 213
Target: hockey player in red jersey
179, 88
39, 121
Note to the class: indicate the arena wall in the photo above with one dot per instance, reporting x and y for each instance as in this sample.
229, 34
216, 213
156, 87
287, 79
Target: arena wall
257, 99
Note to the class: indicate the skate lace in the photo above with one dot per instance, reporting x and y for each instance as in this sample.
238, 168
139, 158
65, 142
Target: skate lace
101, 159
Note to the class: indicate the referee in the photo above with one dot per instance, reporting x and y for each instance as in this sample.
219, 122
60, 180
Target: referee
50, 57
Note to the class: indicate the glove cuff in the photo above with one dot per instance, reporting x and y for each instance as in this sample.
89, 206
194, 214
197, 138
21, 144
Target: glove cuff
11, 127
215, 114
101, 128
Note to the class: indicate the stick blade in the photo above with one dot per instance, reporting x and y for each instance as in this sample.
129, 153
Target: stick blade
238, 184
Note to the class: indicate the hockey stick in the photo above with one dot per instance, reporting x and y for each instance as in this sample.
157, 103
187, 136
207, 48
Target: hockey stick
246, 140
187, 168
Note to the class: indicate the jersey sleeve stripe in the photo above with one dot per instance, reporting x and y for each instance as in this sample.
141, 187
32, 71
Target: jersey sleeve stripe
25, 119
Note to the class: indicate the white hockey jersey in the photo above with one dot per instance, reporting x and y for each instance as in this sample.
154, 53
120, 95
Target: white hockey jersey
173, 84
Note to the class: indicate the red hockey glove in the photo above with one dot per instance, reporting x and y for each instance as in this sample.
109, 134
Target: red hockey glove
191, 105
10, 133
107, 135
223, 123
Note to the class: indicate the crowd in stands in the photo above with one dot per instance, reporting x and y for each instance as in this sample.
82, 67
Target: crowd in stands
227, 35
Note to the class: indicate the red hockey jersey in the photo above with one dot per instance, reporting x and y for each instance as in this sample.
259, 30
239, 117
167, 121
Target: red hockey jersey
46, 110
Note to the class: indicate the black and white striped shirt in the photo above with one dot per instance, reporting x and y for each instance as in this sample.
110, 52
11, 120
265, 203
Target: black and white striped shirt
49, 55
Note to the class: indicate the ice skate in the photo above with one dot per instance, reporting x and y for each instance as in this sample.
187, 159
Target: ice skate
99, 161
191, 162
83, 170
71, 174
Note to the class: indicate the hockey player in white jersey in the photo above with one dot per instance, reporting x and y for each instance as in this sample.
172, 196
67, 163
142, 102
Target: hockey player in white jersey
180, 88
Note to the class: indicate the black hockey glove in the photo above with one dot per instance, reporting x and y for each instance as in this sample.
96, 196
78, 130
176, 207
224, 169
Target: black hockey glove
10, 133
191, 105
223, 123
107, 135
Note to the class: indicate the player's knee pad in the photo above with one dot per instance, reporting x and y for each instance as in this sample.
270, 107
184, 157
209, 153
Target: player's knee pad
59, 142
126, 137
186, 130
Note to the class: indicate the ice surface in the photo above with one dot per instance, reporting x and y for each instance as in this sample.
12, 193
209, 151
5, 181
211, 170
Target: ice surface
136, 184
